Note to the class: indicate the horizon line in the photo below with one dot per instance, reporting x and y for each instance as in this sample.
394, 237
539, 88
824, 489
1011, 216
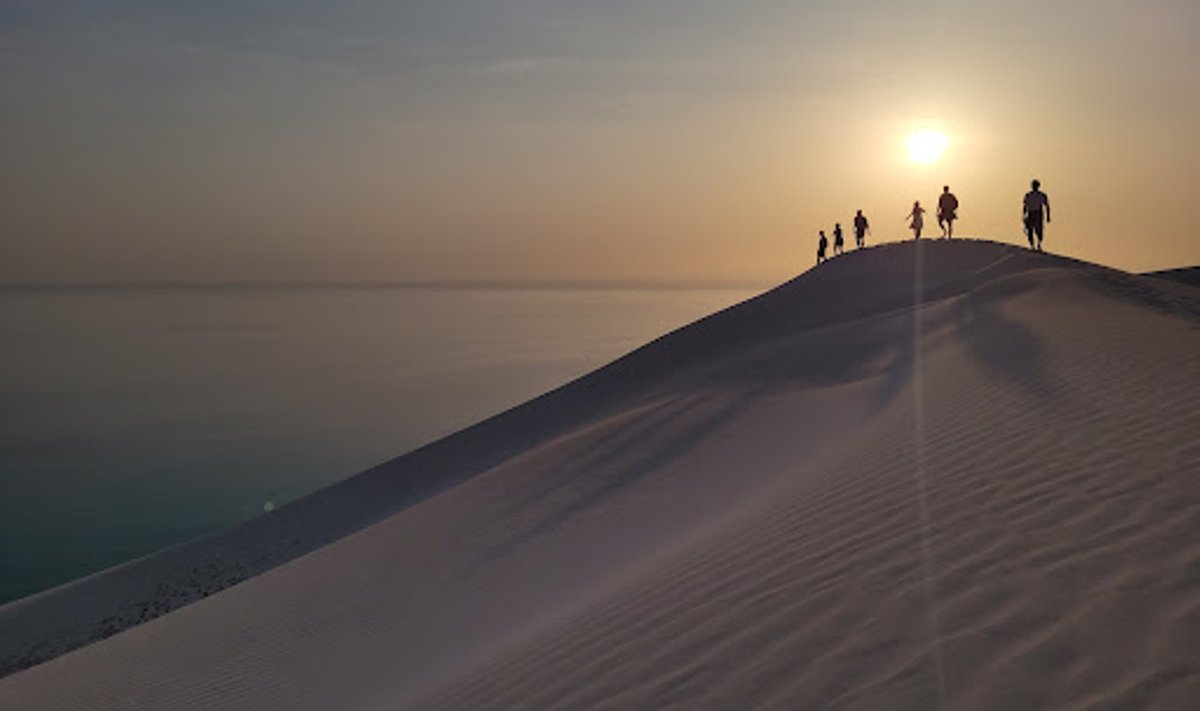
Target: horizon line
464, 284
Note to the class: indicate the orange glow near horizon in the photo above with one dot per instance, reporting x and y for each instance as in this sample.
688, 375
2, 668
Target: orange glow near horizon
610, 142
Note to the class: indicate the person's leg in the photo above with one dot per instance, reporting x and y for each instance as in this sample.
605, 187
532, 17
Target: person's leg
1029, 230
950, 228
1041, 231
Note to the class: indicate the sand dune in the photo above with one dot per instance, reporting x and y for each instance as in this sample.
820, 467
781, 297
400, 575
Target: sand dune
945, 475
1186, 275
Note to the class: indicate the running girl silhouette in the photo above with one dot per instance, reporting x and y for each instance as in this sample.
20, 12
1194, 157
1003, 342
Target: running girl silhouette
918, 219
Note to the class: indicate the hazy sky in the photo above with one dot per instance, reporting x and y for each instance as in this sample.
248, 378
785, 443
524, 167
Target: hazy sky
578, 139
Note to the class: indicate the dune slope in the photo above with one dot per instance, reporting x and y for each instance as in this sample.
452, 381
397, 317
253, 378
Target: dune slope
945, 475
1185, 275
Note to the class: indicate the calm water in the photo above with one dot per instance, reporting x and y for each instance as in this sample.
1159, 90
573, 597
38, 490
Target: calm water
134, 419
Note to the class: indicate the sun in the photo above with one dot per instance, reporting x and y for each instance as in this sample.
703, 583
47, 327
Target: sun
927, 146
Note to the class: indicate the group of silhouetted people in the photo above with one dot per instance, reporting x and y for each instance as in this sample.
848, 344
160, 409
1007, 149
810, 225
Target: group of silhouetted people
1035, 214
947, 213
861, 227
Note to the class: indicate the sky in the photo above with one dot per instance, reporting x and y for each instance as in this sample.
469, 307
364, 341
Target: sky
577, 140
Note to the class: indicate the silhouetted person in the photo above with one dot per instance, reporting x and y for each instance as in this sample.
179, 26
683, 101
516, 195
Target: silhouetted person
947, 212
1036, 214
860, 229
918, 219
822, 245
839, 244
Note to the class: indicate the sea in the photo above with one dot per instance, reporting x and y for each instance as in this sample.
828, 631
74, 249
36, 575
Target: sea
136, 418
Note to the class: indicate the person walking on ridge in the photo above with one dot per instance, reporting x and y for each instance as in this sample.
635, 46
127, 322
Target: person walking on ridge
860, 229
839, 244
918, 219
1036, 214
947, 212
822, 245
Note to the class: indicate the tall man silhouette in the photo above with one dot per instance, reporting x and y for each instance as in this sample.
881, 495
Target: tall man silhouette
1036, 214
947, 212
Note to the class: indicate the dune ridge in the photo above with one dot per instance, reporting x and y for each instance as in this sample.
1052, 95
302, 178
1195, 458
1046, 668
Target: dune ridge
935, 475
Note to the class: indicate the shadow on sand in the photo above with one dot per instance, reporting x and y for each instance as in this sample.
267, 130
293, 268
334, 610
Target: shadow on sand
673, 430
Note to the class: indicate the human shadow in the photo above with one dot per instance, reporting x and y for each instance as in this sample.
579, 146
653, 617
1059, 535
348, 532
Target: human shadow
1002, 345
597, 483
608, 446
900, 370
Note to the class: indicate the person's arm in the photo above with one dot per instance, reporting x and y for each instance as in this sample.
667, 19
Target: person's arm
1047, 203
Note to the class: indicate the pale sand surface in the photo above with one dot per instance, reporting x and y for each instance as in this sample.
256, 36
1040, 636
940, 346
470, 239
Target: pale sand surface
820, 498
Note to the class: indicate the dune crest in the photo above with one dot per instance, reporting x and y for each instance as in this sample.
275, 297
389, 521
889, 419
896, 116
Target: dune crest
934, 475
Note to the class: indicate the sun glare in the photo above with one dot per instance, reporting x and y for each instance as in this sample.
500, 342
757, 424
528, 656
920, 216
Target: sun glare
927, 146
